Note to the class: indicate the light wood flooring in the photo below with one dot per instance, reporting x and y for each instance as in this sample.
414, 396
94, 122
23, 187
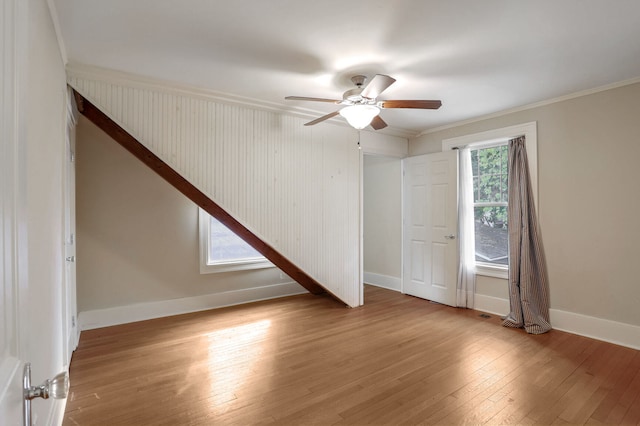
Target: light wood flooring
308, 360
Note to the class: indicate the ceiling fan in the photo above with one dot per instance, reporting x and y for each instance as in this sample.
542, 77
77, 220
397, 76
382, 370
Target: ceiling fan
362, 108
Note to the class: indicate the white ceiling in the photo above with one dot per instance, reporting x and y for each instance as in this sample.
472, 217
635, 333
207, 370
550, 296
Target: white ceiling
478, 57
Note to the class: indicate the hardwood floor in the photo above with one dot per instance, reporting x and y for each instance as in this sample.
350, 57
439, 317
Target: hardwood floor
308, 360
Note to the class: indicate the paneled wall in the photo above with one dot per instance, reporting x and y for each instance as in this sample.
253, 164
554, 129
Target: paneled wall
296, 187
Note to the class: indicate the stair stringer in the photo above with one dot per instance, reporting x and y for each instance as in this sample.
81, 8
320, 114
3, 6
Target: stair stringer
296, 188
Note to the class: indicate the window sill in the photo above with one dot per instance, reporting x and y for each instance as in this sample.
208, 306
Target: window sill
493, 271
235, 266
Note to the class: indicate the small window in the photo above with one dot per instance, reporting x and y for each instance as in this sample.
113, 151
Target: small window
221, 250
490, 201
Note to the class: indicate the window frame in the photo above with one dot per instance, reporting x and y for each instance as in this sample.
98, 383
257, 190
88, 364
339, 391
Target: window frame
491, 139
237, 265
491, 267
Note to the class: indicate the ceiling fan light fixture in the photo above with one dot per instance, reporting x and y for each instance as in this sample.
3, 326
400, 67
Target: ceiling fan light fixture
359, 116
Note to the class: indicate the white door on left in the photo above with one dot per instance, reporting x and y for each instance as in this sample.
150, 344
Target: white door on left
32, 262
10, 238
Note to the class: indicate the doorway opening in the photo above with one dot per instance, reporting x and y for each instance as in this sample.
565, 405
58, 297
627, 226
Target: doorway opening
382, 221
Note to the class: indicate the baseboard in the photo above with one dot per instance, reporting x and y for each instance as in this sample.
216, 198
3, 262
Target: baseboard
609, 331
596, 328
384, 281
490, 304
144, 311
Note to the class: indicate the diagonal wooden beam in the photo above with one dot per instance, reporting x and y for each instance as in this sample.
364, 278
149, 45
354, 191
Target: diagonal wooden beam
131, 144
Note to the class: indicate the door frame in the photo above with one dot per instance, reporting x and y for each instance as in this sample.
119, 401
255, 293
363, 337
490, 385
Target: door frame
386, 146
70, 327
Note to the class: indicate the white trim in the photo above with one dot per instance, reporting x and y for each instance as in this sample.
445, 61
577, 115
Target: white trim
209, 268
92, 72
361, 273
88, 72
490, 137
98, 318
490, 304
583, 325
496, 137
492, 271
596, 328
241, 265
384, 281
532, 106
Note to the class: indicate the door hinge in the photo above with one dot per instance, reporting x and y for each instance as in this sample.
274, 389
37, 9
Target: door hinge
73, 321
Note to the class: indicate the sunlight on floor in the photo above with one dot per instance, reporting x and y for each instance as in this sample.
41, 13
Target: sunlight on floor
233, 352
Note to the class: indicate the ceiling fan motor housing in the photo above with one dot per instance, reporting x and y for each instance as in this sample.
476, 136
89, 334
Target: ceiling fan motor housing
354, 95
362, 110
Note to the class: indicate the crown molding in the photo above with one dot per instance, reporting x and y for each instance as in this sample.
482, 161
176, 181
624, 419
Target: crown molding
89, 72
532, 106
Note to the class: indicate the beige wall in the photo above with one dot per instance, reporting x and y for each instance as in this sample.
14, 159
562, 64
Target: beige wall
588, 176
382, 210
137, 235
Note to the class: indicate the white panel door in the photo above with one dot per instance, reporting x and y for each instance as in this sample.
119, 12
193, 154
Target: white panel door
430, 218
10, 363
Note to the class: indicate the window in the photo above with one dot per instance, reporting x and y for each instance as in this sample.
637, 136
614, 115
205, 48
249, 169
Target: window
490, 200
489, 161
221, 250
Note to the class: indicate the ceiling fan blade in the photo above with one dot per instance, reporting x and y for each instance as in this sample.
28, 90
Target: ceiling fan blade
304, 98
324, 117
422, 104
377, 85
378, 123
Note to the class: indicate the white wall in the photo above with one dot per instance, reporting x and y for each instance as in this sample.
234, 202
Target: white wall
296, 187
34, 130
138, 242
382, 212
588, 151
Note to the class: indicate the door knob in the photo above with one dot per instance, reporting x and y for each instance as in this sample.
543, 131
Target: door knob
57, 388
450, 237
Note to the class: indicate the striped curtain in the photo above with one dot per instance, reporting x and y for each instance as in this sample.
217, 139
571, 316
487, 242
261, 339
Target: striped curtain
528, 282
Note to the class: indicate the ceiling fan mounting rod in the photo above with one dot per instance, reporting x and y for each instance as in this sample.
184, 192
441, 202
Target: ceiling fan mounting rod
359, 80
